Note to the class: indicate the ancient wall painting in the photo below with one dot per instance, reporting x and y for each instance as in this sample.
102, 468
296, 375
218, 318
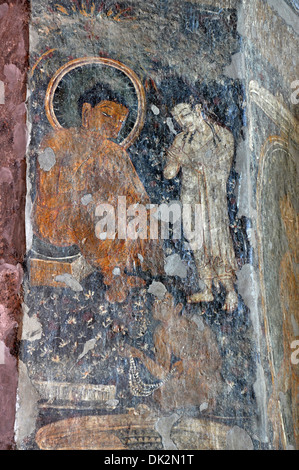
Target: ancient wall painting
135, 335
278, 247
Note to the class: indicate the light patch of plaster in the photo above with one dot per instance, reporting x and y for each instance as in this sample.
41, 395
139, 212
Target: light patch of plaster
164, 426
243, 193
248, 288
174, 266
238, 439
157, 289
47, 159
199, 322
27, 409
295, 326
2, 352
86, 199
155, 110
2, 93
69, 281
5, 175
3, 10
170, 125
32, 328
236, 68
88, 346
29, 203
112, 404
203, 407
13, 75
260, 391
20, 139
6, 323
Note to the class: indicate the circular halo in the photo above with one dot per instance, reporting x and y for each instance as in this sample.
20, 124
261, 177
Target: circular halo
66, 68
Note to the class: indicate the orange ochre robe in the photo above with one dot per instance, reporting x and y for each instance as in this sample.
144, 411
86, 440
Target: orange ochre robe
89, 165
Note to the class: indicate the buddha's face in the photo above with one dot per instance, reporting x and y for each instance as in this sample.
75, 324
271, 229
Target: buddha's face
189, 119
107, 117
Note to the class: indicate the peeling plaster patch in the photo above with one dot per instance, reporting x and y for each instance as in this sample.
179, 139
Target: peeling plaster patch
47, 159
27, 409
163, 426
5, 175
260, 391
155, 110
243, 171
286, 408
170, 125
174, 266
32, 328
204, 407
286, 13
13, 76
238, 439
2, 352
69, 281
3, 10
199, 322
247, 286
20, 139
6, 323
158, 289
295, 326
2, 93
236, 68
86, 199
103, 236
112, 404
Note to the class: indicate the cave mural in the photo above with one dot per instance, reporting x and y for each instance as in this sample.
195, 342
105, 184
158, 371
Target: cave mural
135, 333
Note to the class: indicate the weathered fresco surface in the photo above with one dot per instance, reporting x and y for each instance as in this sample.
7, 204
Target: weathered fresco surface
14, 36
134, 338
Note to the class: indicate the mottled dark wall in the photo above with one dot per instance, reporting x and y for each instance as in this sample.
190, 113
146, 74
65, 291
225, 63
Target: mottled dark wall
13, 74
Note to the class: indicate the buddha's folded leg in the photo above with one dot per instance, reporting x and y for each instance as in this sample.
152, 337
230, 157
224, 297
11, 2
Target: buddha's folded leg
112, 257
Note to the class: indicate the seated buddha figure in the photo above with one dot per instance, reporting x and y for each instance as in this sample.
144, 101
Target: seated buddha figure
89, 168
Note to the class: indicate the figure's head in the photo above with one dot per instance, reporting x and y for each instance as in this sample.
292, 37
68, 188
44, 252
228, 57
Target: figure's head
102, 111
188, 117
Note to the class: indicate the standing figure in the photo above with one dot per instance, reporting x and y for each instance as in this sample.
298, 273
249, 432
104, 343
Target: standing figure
88, 168
204, 151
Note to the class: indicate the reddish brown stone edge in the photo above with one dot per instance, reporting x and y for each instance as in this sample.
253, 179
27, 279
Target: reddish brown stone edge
14, 47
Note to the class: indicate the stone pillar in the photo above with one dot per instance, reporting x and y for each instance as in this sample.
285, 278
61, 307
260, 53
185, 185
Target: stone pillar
13, 140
